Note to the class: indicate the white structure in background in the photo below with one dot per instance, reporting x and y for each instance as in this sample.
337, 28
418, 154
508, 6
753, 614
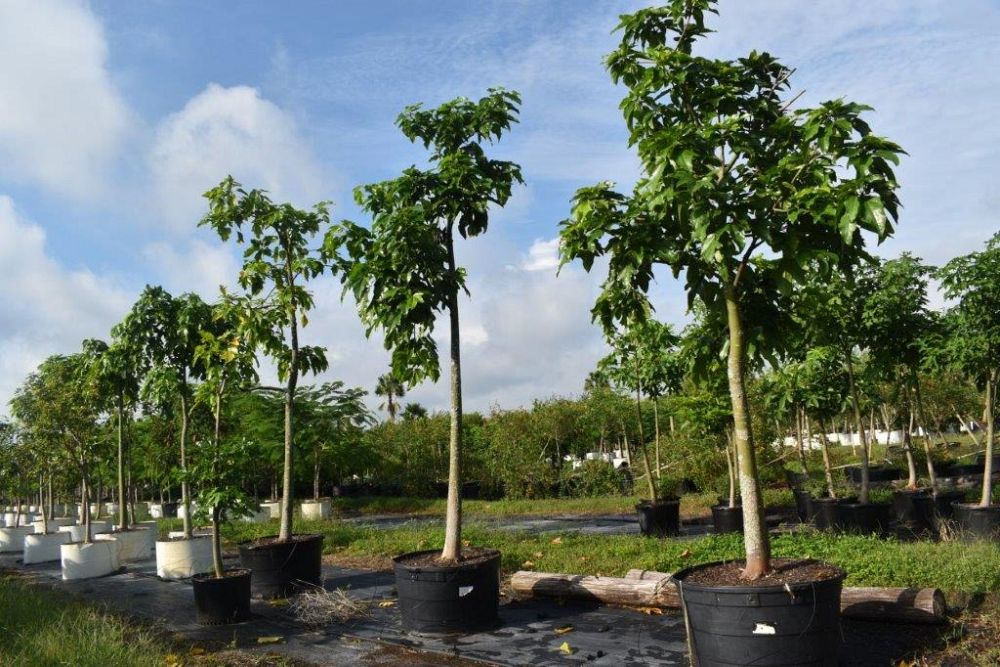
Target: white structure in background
616, 458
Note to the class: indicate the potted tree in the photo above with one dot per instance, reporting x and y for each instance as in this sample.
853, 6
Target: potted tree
165, 330
974, 346
739, 192
61, 400
635, 354
223, 596
402, 273
278, 262
328, 412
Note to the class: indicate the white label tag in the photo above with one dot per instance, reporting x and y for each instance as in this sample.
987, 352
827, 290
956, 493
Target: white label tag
464, 590
763, 629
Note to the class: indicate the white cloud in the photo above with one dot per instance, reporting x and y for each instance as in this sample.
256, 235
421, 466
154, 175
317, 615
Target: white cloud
61, 119
48, 308
193, 265
543, 255
229, 131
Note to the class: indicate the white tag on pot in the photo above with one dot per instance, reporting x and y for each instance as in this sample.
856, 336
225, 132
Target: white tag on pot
764, 629
464, 590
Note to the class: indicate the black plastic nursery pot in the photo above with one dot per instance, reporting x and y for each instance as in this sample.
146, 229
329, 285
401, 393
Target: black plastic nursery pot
726, 519
978, 521
914, 507
963, 470
875, 474
448, 599
802, 499
221, 601
869, 518
281, 569
944, 503
823, 512
794, 624
659, 519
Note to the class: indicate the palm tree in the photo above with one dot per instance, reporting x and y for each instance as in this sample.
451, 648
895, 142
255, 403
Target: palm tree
390, 387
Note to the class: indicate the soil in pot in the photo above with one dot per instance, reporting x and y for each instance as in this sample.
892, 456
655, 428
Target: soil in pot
659, 519
790, 617
870, 518
726, 519
976, 521
280, 568
436, 598
222, 600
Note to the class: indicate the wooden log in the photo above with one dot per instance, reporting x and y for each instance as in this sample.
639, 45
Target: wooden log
903, 605
646, 588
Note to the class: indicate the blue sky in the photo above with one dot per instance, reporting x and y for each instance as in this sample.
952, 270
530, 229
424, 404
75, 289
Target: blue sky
115, 116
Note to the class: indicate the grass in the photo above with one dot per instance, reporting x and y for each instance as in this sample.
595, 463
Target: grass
972, 567
44, 627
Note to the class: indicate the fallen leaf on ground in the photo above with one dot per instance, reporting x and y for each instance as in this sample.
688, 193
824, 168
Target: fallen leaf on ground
539, 554
566, 649
465, 543
387, 603
564, 629
197, 650
270, 640
686, 553
557, 540
527, 565
651, 611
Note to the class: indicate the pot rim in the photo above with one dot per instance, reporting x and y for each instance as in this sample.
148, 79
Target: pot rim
678, 579
273, 543
397, 561
227, 575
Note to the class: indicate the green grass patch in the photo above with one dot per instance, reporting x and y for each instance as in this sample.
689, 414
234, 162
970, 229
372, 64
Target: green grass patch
972, 567
41, 626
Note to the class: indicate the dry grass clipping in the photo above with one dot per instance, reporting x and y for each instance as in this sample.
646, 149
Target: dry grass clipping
321, 607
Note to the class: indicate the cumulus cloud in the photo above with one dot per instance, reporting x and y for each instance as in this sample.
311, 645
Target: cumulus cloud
61, 119
48, 308
229, 131
543, 255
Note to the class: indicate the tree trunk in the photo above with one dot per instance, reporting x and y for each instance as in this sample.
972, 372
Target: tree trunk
756, 540
216, 511
827, 469
656, 436
185, 489
316, 451
911, 464
452, 551
287, 480
731, 467
988, 465
650, 483
85, 490
798, 441
860, 424
931, 473
122, 522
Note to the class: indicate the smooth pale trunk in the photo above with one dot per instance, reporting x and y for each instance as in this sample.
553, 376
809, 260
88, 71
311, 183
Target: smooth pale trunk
988, 465
827, 468
862, 436
453, 518
755, 538
911, 464
931, 472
